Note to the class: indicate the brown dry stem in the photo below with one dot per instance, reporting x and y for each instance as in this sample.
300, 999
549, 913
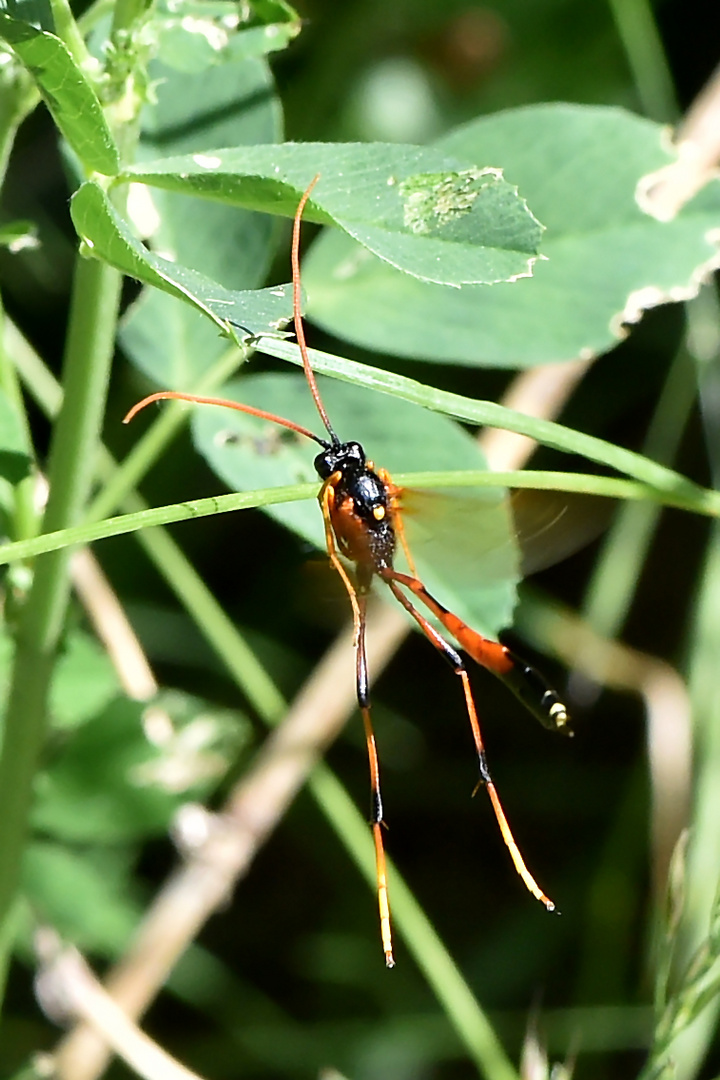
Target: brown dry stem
67, 988
113, 627
664, 193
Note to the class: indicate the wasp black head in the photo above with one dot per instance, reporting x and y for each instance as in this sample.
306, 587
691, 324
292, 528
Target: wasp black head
347, 458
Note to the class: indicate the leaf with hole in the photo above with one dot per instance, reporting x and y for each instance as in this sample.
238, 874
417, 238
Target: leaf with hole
436, 216
607, 261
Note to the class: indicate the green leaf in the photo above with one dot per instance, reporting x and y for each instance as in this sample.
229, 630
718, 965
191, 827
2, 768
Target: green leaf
429, 214
87, 794
476, 582
607, 261
14, 451
109, 783
232, 103
84, 682
194, 35
66, 91
109, 237
83, 894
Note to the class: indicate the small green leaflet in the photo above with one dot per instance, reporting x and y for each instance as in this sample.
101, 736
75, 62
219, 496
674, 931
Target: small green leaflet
109, 237
66, 91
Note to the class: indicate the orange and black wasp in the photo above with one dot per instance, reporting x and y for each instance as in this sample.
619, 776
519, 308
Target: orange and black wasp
362, 510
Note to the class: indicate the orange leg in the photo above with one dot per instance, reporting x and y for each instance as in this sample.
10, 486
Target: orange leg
392, 577
326, 498
358, 601
525, 681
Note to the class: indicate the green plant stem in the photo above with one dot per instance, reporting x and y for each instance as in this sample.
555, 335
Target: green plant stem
94, 14
490, 414
25, 518
217, 627
17, 98
88, 533
703, 858
638, 32
67, 30
89, 350
689, 1049
127, 12
617, 571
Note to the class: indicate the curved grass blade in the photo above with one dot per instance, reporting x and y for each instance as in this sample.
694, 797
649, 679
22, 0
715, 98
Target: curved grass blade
676, 489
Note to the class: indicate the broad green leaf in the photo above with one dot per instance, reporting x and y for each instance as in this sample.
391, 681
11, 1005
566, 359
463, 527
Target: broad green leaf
110, 238
231, 103
607, 261
66, 91
83, 894
84, 682
249, 453
195, 34
14, 451
110, 783
431, 215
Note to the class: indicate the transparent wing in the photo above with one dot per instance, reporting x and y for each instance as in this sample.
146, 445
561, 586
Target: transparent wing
552, 525
463, 545
472, 546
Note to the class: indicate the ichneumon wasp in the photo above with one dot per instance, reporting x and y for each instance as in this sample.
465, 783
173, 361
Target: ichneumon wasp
362, 513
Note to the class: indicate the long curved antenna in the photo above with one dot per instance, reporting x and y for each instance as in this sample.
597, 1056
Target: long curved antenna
226, 403
297, 313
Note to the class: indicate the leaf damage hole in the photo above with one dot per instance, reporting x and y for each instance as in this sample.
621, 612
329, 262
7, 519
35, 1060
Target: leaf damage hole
266, 443
434, 200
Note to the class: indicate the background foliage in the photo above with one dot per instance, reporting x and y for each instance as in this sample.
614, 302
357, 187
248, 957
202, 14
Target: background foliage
287, 979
